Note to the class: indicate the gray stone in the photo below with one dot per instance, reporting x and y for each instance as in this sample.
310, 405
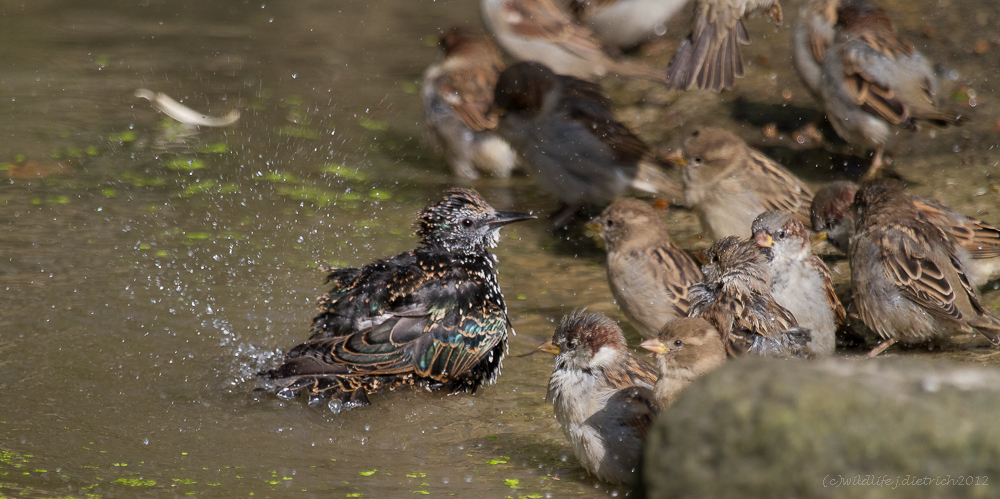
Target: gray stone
891, 427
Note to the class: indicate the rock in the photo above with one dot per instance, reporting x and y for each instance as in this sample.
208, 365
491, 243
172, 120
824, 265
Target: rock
893, 427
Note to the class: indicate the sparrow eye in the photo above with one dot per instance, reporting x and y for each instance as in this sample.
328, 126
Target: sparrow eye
609, 223
697, 160
678, 343
781, 234
467, 222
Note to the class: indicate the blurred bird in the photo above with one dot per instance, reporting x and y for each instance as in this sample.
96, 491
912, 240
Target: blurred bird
649, 274
433, 316
735, 297
873, 81
978, 242
458, 95
570, 141
728, 184
540, 31
602, 394
626, 23
686, 349
908, 281
801, 281
709, 58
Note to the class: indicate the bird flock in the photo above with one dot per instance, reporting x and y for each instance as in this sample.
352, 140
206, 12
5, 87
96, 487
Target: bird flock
435, 316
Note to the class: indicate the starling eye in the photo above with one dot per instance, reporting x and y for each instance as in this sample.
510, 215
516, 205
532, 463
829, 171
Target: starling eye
466, 222
678, 343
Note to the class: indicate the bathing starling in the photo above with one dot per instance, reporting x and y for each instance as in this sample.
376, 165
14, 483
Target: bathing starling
433, 316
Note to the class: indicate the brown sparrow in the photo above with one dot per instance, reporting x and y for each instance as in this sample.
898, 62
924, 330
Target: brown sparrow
649, 274
735, 297
602, 394
801, 281
538, 30
570, 141
626, 23
908, 281
815, 31
728, 183
873, 81
709, 57
458, 94
978, 241
686, 349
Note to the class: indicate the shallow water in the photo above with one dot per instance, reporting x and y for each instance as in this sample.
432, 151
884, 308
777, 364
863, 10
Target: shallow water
148, 270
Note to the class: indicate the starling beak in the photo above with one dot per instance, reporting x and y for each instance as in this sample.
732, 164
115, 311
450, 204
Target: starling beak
433, 316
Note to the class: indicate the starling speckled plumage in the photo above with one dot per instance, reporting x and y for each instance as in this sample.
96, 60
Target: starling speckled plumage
433, 316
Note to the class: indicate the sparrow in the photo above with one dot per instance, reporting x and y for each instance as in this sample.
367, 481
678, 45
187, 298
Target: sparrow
649, 275
686, 349
815, 31
728, 183
978, 241
873, 81
626, 23
433, 316
801, 282
908, 281
735, 297
602, 394
570, 141
709, 58
541, 31
457, 93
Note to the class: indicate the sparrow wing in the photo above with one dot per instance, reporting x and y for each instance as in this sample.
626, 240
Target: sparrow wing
469, 92
781, 190
831, 294
978, 238
543, 21
677, 272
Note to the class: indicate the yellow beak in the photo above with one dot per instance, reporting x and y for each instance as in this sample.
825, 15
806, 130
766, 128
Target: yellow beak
676, 157
548, 347
818, 237
763, 239
654, 345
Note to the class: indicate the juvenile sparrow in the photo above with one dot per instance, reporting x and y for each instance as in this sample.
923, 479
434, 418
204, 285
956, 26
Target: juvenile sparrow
735, 297
873, 81
570, 141
728, 184
433, 316
908, 281
458, 94
978, 241
540, 31
686, 349
649, 275
801, 281
602, 394
709, 57
626, 23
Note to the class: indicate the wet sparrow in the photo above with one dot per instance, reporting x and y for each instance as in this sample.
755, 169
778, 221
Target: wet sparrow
801, 281
709, 57
735, 297
570, 141
433, 316
538, 30
908, 281
728, 184
458, 94
602, 393
978, 241
626, 23
873, 81
649, 275
686, 349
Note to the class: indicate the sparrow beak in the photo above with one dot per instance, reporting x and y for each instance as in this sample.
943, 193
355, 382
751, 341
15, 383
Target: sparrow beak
654, 345
595, 225
763, 239
676, 157
502, 218
818, 237
548, 347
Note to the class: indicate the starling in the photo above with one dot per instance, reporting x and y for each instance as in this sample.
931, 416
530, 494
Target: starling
433, 316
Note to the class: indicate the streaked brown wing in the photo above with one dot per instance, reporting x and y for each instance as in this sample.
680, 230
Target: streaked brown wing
784, 191
831, 294
469, 92
920, 278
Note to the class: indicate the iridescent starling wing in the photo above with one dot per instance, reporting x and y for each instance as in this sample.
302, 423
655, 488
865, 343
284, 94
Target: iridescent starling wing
445, 337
